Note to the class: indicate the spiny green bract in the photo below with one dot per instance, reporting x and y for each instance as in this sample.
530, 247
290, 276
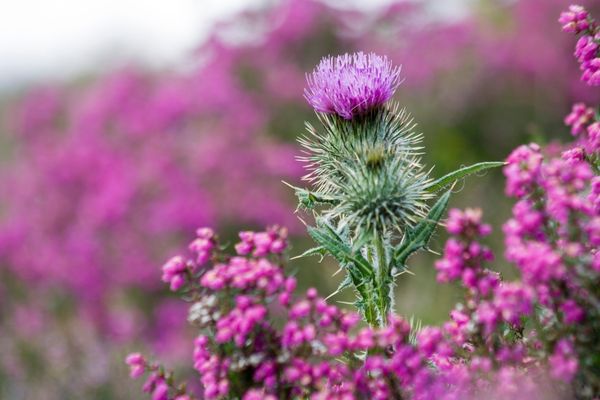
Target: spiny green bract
371, 168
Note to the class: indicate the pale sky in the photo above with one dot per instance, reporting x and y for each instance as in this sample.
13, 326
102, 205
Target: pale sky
44, 40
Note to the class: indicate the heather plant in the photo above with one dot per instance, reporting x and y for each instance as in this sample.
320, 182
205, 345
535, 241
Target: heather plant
578, 21
258, 340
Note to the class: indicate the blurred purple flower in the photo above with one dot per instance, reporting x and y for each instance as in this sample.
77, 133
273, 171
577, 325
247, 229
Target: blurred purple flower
574, 20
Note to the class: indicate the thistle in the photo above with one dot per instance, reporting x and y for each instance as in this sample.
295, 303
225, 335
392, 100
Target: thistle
370, 190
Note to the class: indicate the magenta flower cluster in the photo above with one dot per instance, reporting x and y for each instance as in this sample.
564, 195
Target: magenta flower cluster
263, 243
553, 239
234, 304
578, 21
575, 19
482, 329
176, 271
585, 128
351, 84
258, 340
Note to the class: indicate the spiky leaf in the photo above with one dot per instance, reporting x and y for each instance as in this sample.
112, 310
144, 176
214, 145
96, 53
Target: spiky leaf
328, 238
417, 238
308, 199
313, 251
454, 176
346, 283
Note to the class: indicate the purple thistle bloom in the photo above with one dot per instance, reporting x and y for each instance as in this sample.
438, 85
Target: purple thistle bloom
350, 85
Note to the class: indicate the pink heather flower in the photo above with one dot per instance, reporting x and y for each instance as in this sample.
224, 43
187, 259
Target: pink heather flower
240, 322
174, 272
203, 245
364, 340
266, 373
512, 354
243, 248
161, 391
513, 301
300, 310
203, 248
278, 246
428, 340
586, 49
152, 382
523, 168
574, 154
593, 230
573, 313
528, 219
574, 20
487, 282
467, 223
593, 140
594, 196
487, 315
452, 265
137, 364
587, 53
596, 261
351, 84
538, 262
481, 364
591, 72
563, 362
580, 116
463, 255
563, 183
349, 320
205, 233
260, 244
255, 394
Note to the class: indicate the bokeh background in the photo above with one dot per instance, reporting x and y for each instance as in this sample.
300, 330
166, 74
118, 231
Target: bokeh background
126, 125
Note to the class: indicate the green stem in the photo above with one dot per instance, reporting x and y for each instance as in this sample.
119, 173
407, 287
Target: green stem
381, 280
371, 309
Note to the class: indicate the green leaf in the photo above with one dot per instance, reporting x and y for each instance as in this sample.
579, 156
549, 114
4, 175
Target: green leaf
346, 283
454, 176
329, 239
309, 199
314, 251
416, 326
417, 238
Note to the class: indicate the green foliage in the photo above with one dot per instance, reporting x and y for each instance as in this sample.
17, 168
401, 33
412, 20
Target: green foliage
309, 200
417, 238
359, 272
326, 236
454, 176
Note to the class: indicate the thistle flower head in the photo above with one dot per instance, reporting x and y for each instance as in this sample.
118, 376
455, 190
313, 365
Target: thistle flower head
351, 85
371, 168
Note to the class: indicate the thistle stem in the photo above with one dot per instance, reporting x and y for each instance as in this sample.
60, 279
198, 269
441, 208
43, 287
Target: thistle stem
372, 316
381, 280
